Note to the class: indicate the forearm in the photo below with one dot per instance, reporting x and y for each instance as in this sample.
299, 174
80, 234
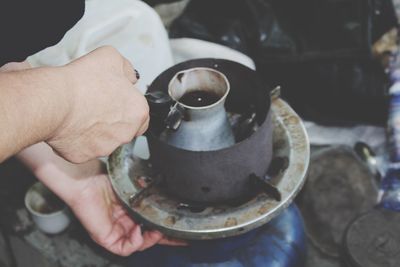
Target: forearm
33, 103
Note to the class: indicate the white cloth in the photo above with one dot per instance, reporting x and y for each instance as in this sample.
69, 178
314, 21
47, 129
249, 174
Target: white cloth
186, 48
131, 26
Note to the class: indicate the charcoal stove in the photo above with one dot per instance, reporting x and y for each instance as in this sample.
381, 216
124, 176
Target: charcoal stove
139, 186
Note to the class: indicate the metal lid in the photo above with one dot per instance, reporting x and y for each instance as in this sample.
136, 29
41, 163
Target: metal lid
373, 240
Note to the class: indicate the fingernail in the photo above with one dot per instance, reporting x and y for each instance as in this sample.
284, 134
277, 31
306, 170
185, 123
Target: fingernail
137, 74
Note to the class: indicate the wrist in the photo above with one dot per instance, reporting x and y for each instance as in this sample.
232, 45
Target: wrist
59, 104
67, 180
47, 167
33, 105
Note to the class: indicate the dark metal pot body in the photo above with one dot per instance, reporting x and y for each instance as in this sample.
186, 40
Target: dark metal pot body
220, 175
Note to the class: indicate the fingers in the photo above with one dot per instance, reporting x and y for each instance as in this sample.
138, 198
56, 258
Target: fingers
96, 126
109, 52
172, 242
129, 244
137, 241
130, 72
144, 127
150, 238
126, 222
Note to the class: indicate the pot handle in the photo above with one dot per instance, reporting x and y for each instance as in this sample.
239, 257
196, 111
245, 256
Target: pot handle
175, 117
165, 107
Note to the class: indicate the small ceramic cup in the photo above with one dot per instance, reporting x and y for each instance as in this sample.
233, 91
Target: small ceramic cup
48, 212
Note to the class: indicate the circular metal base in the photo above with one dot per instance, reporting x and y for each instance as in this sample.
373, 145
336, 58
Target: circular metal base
135, 183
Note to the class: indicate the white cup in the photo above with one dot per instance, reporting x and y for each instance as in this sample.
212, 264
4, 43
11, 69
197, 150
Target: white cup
48, 212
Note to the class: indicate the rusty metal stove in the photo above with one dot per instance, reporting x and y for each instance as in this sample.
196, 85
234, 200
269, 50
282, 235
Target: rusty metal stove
135, 182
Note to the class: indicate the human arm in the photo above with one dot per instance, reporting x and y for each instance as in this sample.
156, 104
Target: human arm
86, 189
82, 110
30, 107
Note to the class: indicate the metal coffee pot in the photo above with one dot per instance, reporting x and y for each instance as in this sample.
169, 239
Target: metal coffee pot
202, 123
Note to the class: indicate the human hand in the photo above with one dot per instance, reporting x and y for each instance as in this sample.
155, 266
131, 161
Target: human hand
86, 189
108, 223
98, 106
105, 109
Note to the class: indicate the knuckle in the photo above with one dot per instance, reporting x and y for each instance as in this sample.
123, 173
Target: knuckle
127, 138
144, 110
111, 52
96, 148
143, 120
128, 64
139, 109
69, 153
76, 158
108, 49
126, 253
144, 114
102, 151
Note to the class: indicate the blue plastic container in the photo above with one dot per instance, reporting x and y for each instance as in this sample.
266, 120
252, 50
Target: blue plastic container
280, 243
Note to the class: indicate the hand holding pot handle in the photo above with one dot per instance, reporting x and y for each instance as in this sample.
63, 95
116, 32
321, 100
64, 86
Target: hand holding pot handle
162, 107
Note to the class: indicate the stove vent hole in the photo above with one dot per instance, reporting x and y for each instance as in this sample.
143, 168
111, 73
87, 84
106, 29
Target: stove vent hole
205, 189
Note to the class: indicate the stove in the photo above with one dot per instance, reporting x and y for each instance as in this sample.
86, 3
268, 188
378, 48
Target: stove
135, 183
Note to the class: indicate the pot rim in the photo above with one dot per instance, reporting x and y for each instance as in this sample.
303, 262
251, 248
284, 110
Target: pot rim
222, 98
